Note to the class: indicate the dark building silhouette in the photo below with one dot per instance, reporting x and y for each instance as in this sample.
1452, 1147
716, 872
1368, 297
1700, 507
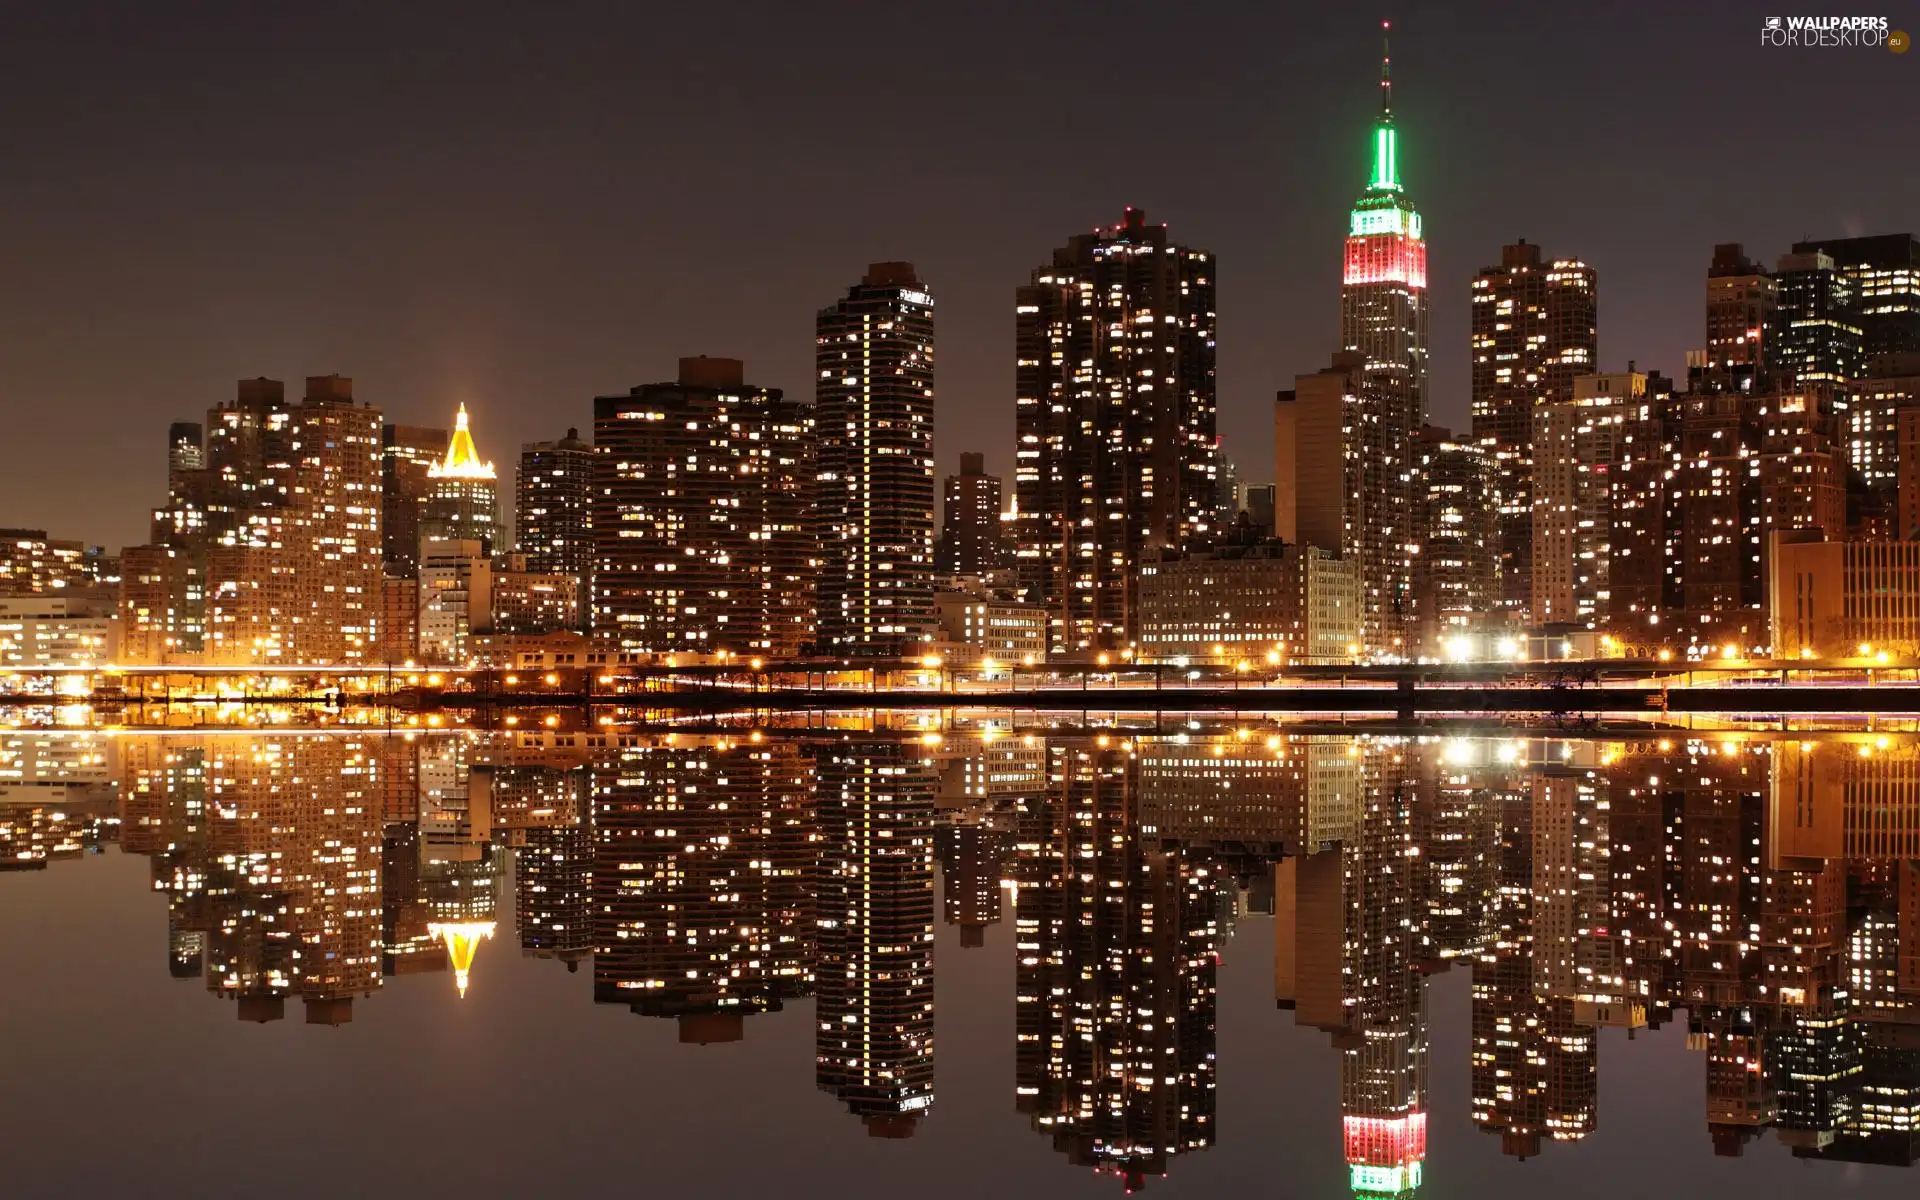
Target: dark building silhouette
406, 451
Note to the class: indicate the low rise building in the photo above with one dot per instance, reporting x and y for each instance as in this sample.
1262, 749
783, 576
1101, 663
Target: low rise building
534, 601
980, 625
30, 561
1831, 598
41, 631
558, 650
1270, 603
456, 586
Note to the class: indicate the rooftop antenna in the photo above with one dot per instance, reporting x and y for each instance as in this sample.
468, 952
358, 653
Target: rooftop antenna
1386, 70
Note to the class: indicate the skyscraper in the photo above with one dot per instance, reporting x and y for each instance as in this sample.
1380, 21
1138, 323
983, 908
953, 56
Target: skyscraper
1741, 297
1700, 481
874, 407
1534, 329
283, 528
971, 856
336, 520
1346, 487
1884, 273
406, 454
1115, 416
970, 518
1816, 336
1456, 575
702, 493
1383, 319
1645, 580
1577, 441
462, 501
553, 510
1876, 404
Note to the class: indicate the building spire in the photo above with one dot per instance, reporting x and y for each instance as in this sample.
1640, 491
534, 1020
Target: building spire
1386, 152
1386, 72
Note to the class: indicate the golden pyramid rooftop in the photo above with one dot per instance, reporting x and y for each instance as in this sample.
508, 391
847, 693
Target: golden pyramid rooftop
463, 457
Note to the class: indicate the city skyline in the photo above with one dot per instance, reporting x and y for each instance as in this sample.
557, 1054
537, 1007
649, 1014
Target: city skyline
426, 334
916, 601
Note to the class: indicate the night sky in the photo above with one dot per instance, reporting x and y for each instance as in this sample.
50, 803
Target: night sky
522, 206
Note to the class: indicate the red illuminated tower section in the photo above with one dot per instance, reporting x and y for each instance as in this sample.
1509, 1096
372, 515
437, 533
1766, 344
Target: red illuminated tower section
1384, 303
1383, 319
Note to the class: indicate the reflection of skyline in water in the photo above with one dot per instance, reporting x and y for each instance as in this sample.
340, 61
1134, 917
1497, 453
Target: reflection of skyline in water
1765, 893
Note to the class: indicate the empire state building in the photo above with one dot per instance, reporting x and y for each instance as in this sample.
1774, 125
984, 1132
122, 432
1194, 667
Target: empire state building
1383, 297
1383, 322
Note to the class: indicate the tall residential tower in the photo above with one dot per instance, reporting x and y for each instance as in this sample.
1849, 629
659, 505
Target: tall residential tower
1534, 330
1115, 421
970, 519
702, 490
553, 510
874, 405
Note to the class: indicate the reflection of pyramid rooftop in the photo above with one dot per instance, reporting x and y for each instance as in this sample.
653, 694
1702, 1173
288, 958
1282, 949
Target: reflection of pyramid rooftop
462, 940
463, 457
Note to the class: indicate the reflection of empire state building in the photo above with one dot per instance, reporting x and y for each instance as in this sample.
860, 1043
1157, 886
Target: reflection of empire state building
1115, 989
874, 1039
1349, 938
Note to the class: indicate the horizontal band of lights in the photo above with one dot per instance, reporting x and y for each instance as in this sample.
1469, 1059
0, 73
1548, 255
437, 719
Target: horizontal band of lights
1391, 1181
1387, 258
1368, 221
1379, 1141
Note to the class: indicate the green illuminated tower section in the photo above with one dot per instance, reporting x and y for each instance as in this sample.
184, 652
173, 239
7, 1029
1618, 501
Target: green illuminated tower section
1383, 320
